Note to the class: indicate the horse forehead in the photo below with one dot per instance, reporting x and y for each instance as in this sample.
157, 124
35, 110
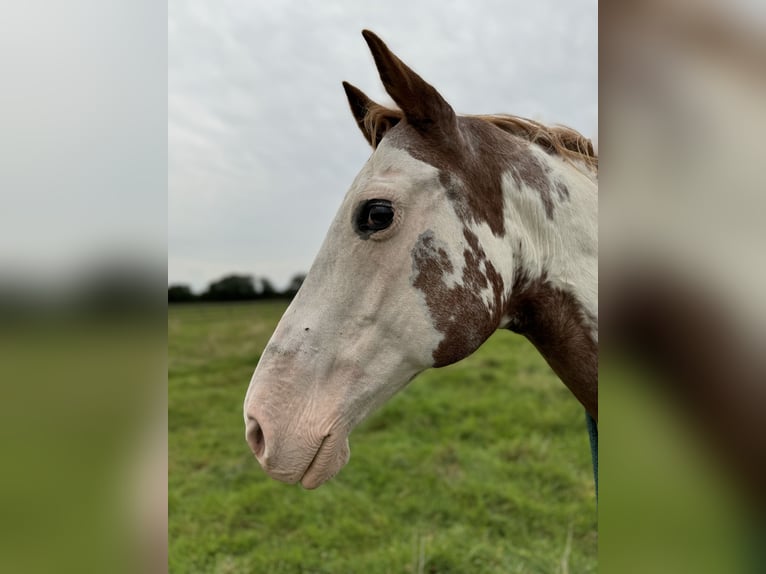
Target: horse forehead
391, 161
470, 168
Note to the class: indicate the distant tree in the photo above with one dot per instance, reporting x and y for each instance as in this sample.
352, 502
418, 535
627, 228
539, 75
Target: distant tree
180, 294
295, 284
267, 289
231, 288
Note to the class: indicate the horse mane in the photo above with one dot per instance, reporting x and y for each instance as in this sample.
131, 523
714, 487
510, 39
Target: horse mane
556, 139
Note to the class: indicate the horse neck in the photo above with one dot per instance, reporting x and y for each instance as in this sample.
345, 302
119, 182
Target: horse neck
554, 298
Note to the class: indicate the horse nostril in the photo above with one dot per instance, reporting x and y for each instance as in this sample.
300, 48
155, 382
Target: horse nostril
255, 437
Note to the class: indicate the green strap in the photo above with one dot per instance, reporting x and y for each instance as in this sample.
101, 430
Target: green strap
593, 435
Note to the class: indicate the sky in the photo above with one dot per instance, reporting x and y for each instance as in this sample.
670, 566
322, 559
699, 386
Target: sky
261, 144
83, 171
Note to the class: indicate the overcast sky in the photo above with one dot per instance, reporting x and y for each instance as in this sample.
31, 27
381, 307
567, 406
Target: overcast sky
261, 144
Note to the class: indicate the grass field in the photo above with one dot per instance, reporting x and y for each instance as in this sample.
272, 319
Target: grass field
483, 466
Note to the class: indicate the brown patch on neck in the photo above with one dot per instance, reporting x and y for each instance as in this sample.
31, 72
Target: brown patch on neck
555, 323
458, 312
472, 167
526, 169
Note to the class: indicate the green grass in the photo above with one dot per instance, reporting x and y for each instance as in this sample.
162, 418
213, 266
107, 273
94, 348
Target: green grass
482, 466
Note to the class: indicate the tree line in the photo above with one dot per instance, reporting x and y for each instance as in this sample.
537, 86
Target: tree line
235, 288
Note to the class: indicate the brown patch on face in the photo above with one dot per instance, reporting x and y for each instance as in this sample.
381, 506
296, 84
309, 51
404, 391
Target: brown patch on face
458, 312
555, 323
472, 167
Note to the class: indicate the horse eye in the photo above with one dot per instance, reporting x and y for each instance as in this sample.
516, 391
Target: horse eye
375, 215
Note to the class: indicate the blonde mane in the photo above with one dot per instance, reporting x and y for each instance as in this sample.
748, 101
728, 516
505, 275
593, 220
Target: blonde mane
557, 139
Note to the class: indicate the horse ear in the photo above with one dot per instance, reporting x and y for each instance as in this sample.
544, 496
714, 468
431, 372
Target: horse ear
373, 119
422, 105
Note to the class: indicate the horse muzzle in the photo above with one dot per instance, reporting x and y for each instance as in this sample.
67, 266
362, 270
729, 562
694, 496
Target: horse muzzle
306, 457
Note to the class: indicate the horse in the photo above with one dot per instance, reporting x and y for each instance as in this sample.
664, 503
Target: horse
455, 227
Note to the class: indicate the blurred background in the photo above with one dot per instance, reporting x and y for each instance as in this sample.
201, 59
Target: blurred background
682, 281
131, 135
83, 225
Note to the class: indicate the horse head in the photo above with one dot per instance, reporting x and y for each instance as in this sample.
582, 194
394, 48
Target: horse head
427, 256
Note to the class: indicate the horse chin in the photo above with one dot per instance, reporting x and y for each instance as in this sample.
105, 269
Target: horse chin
332, 455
